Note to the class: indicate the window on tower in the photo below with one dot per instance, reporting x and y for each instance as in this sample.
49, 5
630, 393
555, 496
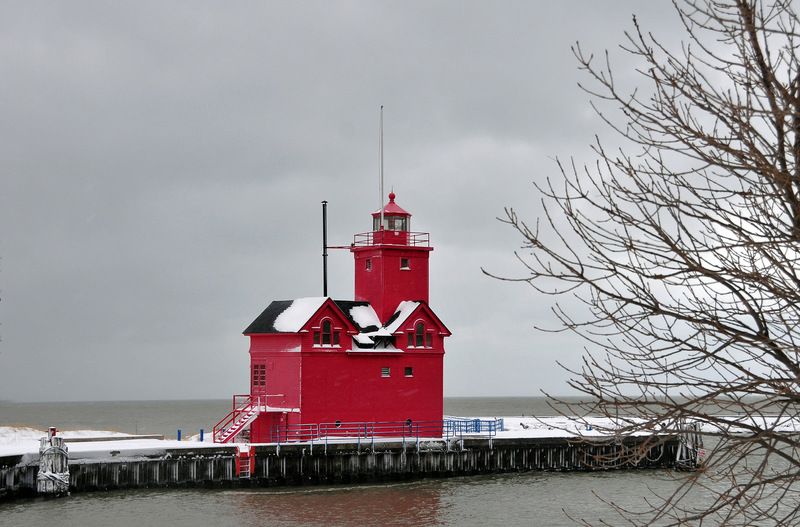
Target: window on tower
404, 263
368, 264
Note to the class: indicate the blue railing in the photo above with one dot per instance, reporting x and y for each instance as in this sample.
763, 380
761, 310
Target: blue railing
457, 426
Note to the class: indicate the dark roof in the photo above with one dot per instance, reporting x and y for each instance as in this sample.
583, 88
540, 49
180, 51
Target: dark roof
265, 322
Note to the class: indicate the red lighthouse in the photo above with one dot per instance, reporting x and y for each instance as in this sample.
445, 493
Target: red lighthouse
376, 359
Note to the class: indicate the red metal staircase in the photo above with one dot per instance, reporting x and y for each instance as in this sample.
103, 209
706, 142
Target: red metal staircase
245, 409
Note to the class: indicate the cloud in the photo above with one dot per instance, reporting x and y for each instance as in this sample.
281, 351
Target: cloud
163, 167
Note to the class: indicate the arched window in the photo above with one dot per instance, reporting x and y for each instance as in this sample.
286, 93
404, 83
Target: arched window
419, 337
327, 336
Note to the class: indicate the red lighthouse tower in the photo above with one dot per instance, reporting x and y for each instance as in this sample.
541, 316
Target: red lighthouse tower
391, 261
318, 363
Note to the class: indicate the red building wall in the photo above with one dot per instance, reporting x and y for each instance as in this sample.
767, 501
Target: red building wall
386, 282
279, 355
350, 387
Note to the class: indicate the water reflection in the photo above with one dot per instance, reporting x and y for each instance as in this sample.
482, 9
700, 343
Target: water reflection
391, 504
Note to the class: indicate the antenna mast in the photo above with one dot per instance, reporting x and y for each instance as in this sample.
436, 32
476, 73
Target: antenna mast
325, 248
380, 204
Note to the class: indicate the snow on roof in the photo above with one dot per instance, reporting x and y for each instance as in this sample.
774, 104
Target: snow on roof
296, 315
364, 316
361, 338
404, 311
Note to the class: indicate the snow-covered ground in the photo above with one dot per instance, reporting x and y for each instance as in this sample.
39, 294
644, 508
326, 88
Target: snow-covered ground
91, 444
599, 427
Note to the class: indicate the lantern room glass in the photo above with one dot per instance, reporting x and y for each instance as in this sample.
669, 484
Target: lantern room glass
391, 223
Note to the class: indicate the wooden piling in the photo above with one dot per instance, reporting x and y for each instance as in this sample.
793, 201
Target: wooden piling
53, 476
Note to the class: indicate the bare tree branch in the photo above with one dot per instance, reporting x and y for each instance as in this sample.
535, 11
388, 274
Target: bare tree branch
677, 259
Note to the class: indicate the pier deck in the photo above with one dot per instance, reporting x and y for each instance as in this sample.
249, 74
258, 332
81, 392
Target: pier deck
135, 462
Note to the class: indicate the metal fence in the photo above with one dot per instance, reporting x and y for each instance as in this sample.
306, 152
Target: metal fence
450, 427
458, 426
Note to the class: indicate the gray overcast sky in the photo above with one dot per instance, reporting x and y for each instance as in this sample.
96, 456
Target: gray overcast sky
163, 165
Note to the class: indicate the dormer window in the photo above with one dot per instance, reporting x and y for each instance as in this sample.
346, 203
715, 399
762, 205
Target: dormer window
420, 338
327, 336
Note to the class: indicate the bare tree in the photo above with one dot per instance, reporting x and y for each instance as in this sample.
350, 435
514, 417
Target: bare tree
683, 249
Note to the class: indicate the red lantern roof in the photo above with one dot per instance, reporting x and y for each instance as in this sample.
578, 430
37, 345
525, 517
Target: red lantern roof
391, 208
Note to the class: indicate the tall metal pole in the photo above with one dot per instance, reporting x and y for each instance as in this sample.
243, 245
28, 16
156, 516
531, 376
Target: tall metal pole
325, 248
380, 204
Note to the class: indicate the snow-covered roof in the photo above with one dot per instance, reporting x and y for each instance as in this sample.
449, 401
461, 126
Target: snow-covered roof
290, 316
293, 318
404, 311
364, 316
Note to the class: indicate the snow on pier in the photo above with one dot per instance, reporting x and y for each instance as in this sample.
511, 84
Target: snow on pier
107, 459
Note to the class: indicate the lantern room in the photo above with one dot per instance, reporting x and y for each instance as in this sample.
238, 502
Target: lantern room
393, 216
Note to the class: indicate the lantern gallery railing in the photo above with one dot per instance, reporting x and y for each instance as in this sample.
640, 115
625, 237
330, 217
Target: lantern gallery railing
413, 239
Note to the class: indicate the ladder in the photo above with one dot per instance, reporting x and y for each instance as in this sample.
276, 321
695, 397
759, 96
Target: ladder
244, 465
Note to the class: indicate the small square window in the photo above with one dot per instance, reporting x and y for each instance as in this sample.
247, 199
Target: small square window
409, 371
385, 371
368, 264
404, 263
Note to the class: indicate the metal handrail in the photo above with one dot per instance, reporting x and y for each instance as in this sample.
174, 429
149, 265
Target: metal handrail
294, 433
449, 427
461, 426
231, 418
413, 239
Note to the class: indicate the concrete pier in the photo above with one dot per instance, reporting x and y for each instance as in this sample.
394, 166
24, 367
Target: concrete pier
337, 462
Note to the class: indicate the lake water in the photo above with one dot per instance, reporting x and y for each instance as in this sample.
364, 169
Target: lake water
533, 498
